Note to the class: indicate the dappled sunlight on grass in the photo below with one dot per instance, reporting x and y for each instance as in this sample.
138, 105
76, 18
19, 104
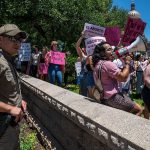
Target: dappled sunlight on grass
138, 100
73, 88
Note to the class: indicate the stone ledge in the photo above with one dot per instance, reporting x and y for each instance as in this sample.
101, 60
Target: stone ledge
115, 128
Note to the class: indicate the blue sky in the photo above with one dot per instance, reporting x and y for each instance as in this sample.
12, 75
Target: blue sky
142, 6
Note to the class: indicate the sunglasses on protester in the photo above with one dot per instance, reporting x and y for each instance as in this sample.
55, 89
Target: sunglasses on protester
14, 39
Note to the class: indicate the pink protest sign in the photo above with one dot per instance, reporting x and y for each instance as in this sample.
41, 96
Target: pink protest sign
112, 35
134, 27
57, 58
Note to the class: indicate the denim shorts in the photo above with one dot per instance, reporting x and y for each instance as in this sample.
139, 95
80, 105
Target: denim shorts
90, 79
78, 80
83, 84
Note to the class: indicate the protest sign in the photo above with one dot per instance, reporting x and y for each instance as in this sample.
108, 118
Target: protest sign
113, 35
93, 30
90, 43
133, 29
25, 52
57, 58
78, 67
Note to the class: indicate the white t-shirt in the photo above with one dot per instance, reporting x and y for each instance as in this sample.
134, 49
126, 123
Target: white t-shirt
120, 64
35, 58
143, 64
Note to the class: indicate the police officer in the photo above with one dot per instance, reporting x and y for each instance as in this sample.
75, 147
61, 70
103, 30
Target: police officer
11, 104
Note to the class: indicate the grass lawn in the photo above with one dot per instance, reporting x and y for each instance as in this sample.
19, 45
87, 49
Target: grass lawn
73, 88
138, 100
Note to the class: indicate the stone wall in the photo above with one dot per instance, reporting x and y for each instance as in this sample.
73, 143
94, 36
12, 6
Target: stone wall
74, 122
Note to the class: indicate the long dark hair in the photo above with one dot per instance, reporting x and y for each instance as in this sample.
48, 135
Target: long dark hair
99, 53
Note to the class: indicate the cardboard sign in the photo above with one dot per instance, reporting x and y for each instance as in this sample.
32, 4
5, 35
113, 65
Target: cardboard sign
134, 27
78, 67
25, 52
90, 43
93, 30
113, 35
57, 58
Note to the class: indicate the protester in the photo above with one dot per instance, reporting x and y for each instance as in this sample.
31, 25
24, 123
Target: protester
78, 70
34, 62
25, 56
42, 67
86, 75
17, 63
54, 70
11, 104
127, 86
140, 66
110, 76
146, 92
132, 74
90, 79
120, 64
82, 54
66, 72
124, 87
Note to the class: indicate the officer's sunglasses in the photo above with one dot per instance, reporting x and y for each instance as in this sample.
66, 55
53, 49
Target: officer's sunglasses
14, 39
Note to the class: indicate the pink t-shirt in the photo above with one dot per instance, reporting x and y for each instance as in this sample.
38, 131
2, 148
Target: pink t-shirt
108, 73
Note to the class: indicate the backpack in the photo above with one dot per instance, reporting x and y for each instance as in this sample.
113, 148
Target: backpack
98, 92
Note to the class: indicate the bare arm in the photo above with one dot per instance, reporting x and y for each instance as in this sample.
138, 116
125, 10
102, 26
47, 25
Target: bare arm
12, 110
123, 74
5, 107
78, 48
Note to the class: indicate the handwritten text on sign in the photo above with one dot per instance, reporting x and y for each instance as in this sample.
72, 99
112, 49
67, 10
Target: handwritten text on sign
93, 30
90, 43
57, 58
134, 28
25, 52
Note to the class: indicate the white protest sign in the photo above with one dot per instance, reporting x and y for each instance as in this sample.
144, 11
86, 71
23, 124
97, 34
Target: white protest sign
78, 67
91, 30
90, 43
25, 52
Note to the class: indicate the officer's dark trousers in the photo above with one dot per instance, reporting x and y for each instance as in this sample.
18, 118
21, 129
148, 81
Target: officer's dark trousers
10, 138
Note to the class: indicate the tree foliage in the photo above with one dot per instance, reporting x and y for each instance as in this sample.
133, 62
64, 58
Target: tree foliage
46, 20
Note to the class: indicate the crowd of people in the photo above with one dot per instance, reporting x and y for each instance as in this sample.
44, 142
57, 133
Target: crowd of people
40, 65
119, 77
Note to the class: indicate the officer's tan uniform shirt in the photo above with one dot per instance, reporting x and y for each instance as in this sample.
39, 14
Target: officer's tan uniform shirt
10, 91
